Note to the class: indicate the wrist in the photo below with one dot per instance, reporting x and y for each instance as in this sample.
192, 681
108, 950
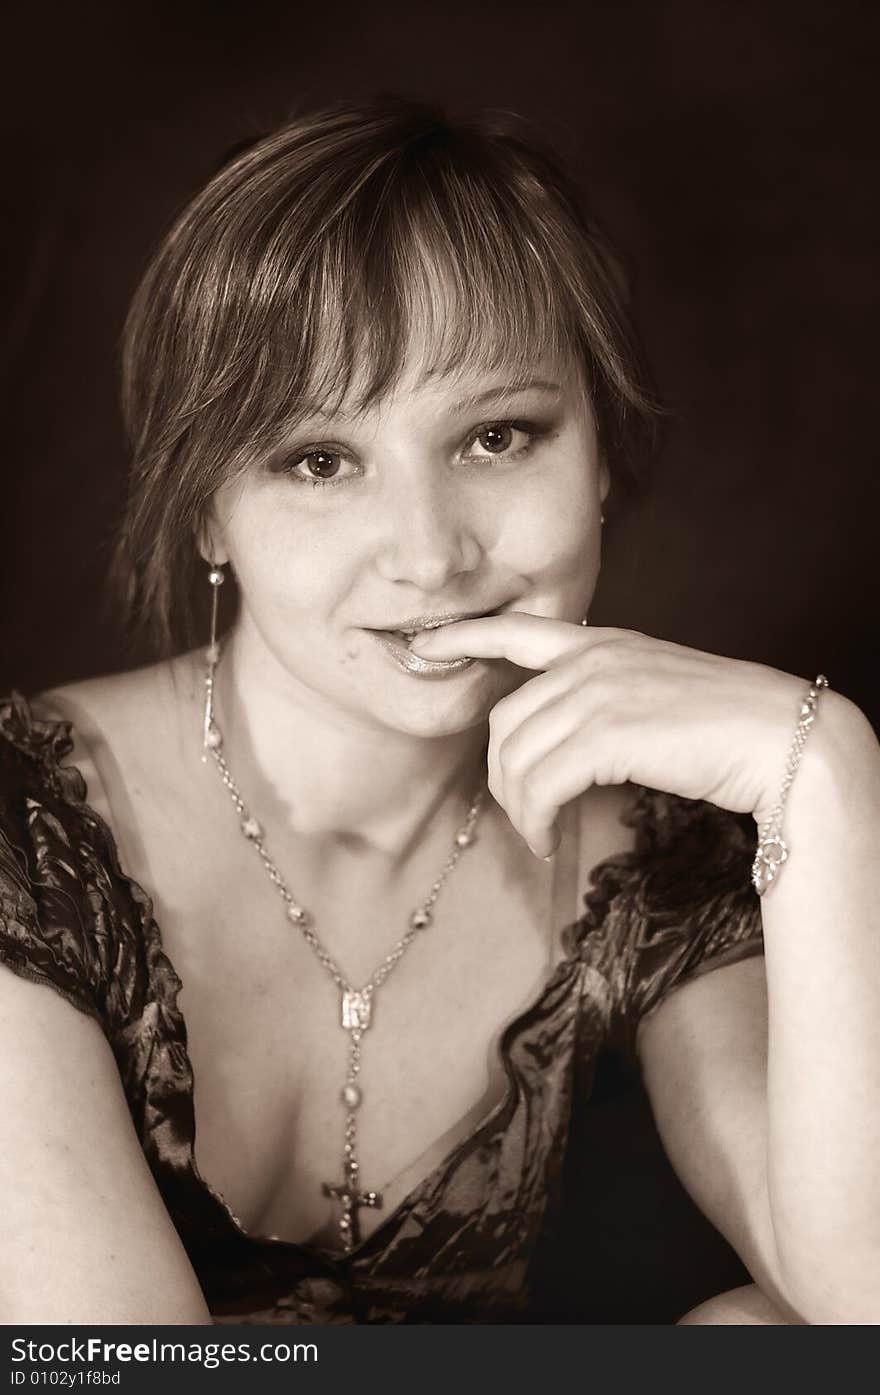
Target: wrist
840, 765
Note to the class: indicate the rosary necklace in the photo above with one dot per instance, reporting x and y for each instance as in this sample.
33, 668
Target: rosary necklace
356, 1004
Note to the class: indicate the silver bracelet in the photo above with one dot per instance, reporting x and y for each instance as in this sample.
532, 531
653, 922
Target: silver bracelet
772, 847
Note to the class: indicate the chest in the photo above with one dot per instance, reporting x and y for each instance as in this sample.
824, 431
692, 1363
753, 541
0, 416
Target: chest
263, 1018
270, 1055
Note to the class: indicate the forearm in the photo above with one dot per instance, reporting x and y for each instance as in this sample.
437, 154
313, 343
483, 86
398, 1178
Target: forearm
822, 935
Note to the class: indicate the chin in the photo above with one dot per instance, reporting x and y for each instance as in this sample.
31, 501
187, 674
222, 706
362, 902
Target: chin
446, 708
443, 724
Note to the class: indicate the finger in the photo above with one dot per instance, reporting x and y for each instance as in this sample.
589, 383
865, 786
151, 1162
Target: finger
546, 764
514, 754
530, 641
535, 693
562, 774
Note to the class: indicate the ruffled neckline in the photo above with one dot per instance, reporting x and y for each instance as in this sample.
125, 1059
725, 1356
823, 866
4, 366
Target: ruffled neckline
49, 740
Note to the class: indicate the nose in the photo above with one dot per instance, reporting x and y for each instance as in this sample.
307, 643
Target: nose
428, 536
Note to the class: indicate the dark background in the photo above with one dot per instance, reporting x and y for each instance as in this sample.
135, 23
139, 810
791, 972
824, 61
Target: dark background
728, 148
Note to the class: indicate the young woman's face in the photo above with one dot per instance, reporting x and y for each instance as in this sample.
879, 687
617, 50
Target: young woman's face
452, 497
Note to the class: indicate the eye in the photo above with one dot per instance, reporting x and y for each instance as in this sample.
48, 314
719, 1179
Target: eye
503, 438
326, 464
322, 465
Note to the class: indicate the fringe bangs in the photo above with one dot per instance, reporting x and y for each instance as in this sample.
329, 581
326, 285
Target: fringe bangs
400, 279
315, 270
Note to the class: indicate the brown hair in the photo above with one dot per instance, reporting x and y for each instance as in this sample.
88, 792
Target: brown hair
298, 272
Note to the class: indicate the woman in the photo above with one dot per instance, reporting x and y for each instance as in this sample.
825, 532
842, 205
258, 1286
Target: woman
363, 886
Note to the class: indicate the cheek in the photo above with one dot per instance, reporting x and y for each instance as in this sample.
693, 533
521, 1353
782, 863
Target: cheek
553, 530
286, 567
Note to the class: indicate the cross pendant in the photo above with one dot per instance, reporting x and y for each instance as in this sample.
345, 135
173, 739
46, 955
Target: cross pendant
351, 1201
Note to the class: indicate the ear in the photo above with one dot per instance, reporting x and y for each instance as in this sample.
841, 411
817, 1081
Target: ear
604, 480
208, 539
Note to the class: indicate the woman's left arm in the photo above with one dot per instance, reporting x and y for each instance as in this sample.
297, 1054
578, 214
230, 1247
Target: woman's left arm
821, 921
766, 1085
767, 1091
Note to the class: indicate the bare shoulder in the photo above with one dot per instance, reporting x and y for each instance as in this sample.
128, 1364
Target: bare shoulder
131, 737
124, 701
129, 730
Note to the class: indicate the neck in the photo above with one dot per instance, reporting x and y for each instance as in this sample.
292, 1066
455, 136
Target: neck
340, 782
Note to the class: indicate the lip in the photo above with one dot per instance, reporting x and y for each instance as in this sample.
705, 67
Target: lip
417, 623
398, 649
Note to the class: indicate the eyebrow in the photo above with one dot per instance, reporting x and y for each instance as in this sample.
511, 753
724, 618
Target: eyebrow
477, 399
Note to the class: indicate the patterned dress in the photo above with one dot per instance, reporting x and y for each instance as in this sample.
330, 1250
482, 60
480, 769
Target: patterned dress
460, 1247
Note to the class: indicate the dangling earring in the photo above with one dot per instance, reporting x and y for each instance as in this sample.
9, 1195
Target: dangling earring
210, 734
